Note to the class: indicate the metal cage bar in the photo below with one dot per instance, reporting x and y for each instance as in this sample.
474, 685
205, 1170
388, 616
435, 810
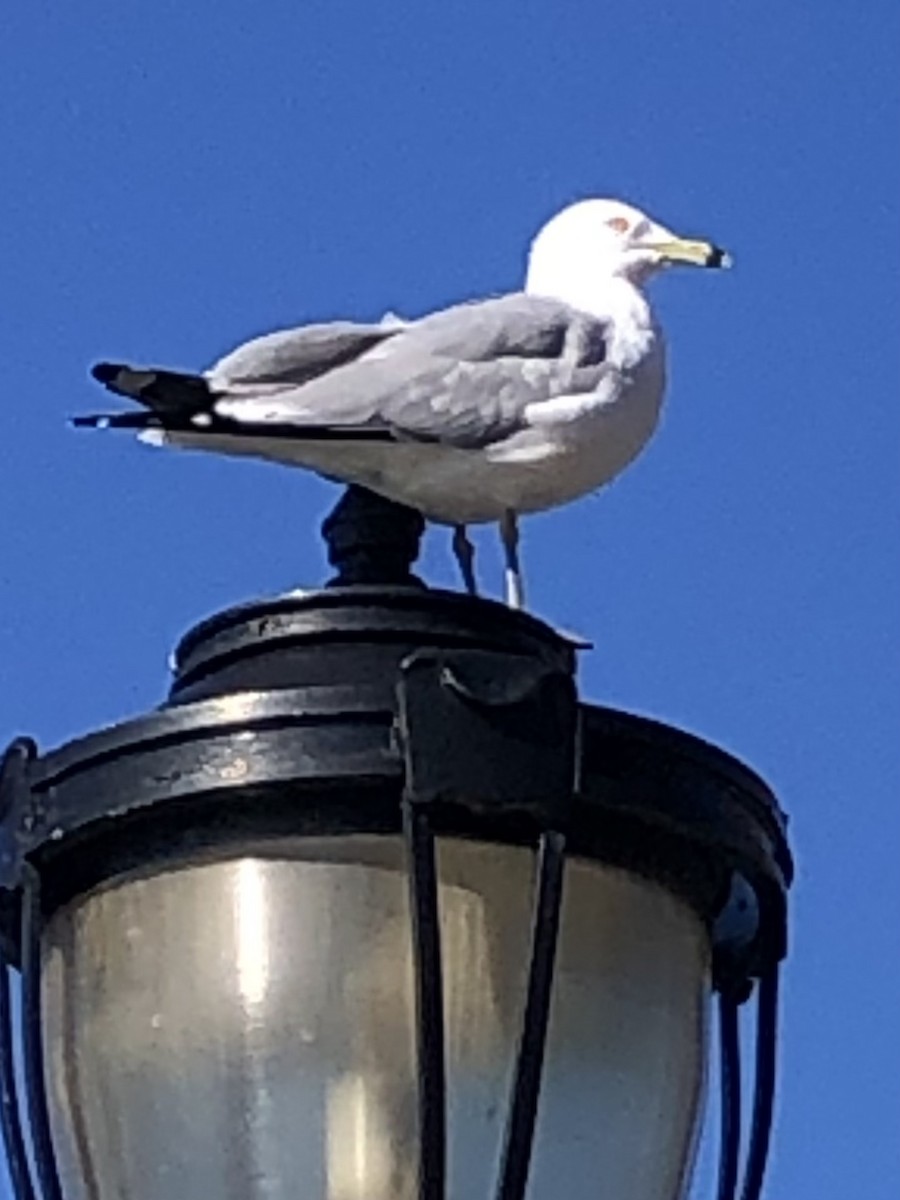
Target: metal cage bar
729, 1098
426, 934
10, 1115
522, 1116
764, 1085
32, 1040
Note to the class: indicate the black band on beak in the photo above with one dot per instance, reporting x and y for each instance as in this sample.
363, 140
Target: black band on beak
718, 257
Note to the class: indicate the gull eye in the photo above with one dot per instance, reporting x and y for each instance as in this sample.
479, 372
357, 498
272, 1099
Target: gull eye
619, 224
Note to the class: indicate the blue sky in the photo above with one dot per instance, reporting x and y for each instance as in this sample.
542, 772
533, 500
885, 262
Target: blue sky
178, 177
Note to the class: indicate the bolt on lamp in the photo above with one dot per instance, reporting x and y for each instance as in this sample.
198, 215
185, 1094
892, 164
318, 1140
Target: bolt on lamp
374, 908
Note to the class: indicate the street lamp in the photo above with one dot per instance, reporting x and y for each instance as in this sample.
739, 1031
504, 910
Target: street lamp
373, 907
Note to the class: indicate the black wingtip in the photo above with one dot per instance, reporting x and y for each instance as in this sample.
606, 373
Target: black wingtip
105, 372
91, 422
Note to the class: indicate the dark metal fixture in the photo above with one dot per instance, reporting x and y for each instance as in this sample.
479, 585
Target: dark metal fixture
373, 906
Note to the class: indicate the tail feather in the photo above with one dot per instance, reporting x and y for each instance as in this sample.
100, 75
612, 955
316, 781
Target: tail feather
179, 403
161, 391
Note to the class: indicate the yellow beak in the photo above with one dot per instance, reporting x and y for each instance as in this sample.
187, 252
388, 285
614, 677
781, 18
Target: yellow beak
695, 254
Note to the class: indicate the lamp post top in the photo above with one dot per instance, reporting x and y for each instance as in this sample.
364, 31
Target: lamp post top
372, 540
376, 706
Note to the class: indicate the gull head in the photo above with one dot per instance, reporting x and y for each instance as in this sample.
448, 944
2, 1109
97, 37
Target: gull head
596, 240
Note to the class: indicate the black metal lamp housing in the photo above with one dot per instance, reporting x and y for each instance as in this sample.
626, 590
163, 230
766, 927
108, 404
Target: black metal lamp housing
373, 907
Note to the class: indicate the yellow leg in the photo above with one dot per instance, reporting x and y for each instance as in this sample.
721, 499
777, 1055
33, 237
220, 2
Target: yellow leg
509, 536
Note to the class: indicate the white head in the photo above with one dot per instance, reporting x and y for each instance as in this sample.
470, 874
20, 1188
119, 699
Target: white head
593, 241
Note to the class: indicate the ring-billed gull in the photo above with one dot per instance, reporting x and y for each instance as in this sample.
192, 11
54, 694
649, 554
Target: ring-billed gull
476, 413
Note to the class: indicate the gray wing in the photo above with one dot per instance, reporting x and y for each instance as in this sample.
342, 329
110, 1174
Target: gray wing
465, 377
292, 357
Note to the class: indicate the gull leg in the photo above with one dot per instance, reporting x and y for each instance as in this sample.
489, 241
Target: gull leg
509, 536
465, 556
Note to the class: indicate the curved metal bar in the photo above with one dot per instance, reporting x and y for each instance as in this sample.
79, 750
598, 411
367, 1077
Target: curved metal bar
426, 933
32, 1039
10, 1114
519, 1135
729, 1097
764, 1089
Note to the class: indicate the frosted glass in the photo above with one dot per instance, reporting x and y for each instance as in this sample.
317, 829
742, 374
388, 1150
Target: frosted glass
245, 1029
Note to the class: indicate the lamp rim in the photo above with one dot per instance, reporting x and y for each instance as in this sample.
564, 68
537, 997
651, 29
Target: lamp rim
653, 799
425, 616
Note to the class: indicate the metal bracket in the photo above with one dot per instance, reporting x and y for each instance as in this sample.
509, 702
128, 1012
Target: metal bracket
486, 730
16, 817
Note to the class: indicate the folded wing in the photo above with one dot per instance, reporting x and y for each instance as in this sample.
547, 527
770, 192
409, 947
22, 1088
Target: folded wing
466, 376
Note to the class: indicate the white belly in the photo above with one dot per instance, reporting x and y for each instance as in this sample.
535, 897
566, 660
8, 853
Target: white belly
534, 470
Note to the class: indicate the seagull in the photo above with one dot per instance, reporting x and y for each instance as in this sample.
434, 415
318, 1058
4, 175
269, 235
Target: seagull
476, 413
